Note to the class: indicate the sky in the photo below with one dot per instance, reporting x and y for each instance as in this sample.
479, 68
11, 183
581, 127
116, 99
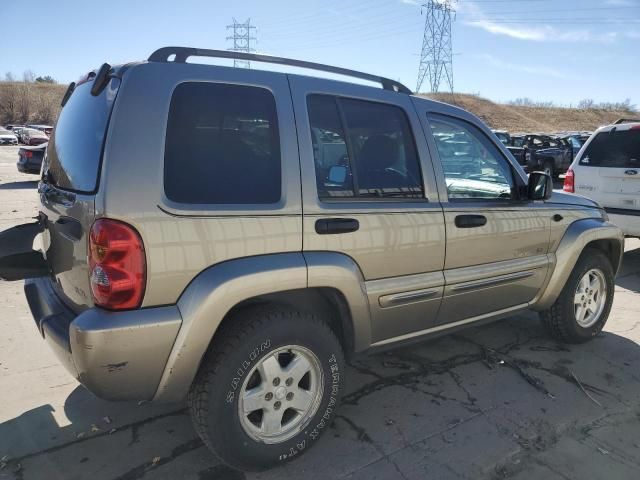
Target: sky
547, 50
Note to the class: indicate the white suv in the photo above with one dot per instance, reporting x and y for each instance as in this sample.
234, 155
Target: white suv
607, 170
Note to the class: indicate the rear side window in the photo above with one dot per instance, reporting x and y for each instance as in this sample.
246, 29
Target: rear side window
222, 145
363, 149
75, 147
619, 149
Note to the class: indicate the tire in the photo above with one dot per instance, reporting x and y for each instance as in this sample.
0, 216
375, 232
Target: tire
240, 360
561, 320
547, 167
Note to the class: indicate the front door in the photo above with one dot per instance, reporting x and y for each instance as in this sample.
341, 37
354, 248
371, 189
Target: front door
497, 244
369, 194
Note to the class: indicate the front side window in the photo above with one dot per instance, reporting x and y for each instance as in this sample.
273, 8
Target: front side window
473, 167
363, 149
222, 145
616, 149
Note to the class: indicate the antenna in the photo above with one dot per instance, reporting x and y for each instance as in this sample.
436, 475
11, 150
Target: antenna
436, 56
242, 38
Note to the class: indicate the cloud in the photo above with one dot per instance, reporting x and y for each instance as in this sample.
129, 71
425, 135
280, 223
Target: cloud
513, 67
543, 33
411, 2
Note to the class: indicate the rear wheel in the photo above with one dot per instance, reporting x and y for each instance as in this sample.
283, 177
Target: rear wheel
583, 307
268, 387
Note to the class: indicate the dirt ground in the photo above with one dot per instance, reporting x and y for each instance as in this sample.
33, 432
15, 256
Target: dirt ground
493, 402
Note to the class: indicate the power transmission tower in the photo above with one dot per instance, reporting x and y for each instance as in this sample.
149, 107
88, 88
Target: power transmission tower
436, 57
242, 38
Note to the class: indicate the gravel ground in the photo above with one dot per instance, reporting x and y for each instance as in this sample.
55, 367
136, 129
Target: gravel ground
494, 402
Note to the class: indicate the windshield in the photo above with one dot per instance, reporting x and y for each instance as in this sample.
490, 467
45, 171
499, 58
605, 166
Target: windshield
75, 147
619, 149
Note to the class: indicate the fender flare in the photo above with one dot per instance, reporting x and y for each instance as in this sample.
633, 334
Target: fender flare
215, 291
577, 236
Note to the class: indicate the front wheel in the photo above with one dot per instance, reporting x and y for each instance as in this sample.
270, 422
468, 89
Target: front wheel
583, 307
268, 387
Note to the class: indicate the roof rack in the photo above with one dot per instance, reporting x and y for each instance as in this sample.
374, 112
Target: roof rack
626, 120
182, 53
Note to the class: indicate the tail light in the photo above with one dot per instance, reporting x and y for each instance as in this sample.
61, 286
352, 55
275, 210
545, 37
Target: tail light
27, 153
569, 182
117, 265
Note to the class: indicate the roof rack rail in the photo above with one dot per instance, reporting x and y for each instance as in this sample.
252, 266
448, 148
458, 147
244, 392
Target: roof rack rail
626, 120
182, 53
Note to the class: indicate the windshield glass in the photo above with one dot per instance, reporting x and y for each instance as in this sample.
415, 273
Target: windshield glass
75, 147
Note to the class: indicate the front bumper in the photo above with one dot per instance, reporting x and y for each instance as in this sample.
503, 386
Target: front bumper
627, 220
116, 355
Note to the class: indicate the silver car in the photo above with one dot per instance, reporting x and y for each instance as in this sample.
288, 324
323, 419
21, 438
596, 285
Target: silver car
304, 222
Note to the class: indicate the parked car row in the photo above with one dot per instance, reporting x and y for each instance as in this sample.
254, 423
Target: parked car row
551, 153
34, 134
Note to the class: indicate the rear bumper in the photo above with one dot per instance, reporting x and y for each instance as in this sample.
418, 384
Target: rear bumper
28, 167
116, 355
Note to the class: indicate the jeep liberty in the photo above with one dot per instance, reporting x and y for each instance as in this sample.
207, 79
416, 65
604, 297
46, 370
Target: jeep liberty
230, 236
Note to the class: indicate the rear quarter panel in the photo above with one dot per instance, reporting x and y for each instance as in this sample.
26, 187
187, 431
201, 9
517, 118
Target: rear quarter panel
183, 240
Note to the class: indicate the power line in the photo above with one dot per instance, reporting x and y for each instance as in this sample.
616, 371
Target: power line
436, 57
242, 39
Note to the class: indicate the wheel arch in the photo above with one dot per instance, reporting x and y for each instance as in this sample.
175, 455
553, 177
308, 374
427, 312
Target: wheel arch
328, 281
580, 235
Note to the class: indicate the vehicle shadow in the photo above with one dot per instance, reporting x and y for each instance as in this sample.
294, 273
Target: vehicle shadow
24, 184
461, 406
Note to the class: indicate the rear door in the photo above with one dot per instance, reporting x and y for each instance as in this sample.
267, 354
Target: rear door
71, 170
609, 169
369, 193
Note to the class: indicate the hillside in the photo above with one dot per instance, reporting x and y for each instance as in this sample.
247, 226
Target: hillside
531, 119
40, 103
22, 102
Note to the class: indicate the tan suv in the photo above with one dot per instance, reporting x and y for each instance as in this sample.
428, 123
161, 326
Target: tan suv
231, 235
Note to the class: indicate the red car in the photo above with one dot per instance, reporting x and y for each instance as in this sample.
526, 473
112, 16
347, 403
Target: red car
31, 136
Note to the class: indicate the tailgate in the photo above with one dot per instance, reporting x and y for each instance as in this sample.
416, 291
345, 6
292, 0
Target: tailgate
70, 178
68, 218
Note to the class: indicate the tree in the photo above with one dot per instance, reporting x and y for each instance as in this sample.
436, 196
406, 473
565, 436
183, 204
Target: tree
45, 79
8, 77
28, 76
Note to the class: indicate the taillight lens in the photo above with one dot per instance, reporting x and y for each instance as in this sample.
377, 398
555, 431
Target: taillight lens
569, 181
117, 266
28, 154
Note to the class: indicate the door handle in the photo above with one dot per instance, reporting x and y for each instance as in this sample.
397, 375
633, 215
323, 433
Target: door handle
470, 221
328, 226
630, 172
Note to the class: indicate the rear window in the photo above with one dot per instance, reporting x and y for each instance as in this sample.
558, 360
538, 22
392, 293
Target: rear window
619, 149
75, 147
222, 145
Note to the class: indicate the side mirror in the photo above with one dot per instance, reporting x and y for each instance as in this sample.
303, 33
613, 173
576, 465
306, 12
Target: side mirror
540, 186
337, 174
